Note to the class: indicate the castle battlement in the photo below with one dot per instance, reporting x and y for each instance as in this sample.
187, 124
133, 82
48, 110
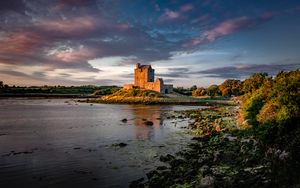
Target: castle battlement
144, 78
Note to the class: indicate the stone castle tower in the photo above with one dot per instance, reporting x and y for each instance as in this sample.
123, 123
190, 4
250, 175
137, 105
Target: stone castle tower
142, 75
144, 78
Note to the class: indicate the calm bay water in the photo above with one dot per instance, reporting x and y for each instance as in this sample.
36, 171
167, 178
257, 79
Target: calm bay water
61, 143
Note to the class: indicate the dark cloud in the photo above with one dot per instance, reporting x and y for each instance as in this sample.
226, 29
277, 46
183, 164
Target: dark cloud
182, 70
66, 34
130, 75
176, 73
77, 2
241, 71
13, 73
12, 5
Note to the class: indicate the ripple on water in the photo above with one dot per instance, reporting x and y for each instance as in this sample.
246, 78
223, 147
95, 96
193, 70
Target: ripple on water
76, 142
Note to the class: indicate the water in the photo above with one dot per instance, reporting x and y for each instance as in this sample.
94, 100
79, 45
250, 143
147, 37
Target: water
62, 143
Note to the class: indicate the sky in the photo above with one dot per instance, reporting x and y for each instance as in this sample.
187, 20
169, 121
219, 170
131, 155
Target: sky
98, 42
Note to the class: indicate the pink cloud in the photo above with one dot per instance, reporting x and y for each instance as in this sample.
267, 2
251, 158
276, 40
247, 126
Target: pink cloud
122, 26
172, 14
74, 25
74, 56
21, 43
169, 15
201, 19
186, 8
228, 27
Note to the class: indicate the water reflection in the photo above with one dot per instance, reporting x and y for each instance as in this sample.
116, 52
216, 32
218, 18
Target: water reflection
143, 114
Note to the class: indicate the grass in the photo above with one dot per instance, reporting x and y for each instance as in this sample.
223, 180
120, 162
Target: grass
143, 96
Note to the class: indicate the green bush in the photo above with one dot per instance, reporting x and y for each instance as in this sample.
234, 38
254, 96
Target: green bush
274, 107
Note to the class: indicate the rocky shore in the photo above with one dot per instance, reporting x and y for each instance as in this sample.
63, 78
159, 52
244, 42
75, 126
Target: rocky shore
222, 155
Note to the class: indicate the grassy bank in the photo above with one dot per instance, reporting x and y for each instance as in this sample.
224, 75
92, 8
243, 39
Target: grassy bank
142, 96
88, 90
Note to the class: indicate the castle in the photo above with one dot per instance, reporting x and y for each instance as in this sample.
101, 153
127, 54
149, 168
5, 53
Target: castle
144, 78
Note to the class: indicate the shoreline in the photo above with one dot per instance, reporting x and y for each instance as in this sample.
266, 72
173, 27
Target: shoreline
42, 95
222, 155
162, 101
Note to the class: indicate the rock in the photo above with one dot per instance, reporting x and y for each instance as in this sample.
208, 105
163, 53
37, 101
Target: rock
162, 168
124, 120
231, 138
136, 183
148, 123
166, 158
176, 162
204, 170
151, 174
207, 181
121, 145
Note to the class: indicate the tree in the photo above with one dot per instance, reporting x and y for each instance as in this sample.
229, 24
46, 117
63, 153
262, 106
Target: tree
231, 87
254, 82
274, 108
1, 84
199, 92
194, 87
213, 90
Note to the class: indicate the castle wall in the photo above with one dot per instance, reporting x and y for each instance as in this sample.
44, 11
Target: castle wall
144, 78
166, 89
128, 86
142, 75
139, 77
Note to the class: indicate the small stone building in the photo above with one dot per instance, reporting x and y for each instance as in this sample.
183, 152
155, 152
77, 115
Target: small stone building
144, 78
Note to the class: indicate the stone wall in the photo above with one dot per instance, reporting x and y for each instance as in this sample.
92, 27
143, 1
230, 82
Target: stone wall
144, 78
128, 86
166, 89
142, 75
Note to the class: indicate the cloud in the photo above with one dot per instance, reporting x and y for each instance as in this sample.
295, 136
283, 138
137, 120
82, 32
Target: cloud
242, 70
63, 36
16, 5
186, 8
228, 27
77, 25
84, 37
179, 72
170, 15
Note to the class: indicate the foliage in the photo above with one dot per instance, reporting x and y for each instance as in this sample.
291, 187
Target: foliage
231, 87
86, 89
183, 91
254, 82
136, 93
194, 87
213, 90
106, 91
252, 105
274, 106
199, 92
